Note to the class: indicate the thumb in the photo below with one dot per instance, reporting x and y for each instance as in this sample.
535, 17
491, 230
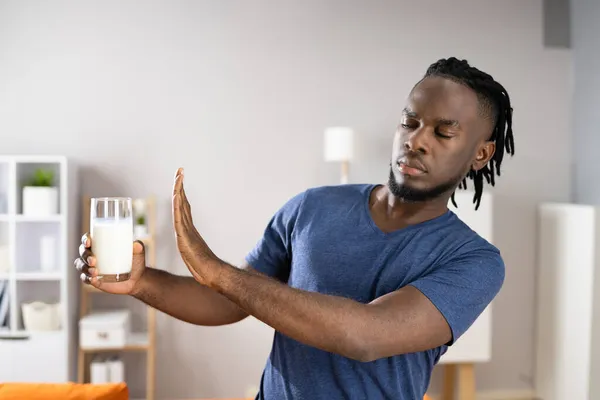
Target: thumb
138, 247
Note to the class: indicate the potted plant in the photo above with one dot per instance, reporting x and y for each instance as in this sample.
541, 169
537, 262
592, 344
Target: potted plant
40, 196
140, 229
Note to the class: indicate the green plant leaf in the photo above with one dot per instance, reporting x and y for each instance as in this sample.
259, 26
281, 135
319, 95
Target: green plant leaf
42, 177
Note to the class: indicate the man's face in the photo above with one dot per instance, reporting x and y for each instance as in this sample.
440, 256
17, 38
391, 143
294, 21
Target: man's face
442, 135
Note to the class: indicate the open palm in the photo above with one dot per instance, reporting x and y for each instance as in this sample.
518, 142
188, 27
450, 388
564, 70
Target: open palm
194, 251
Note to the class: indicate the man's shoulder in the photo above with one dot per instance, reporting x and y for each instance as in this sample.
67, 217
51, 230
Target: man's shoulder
470, 245
321, 196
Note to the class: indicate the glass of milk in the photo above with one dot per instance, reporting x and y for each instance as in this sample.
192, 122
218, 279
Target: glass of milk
111, 228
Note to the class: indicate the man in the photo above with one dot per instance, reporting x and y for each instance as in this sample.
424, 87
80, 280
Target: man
365, 285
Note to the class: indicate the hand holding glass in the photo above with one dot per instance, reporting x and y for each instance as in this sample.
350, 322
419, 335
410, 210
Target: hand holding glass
111, 229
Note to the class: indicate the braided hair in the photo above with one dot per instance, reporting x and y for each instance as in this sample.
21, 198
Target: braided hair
494, 104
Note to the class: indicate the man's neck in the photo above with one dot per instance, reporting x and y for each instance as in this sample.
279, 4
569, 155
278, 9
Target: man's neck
394, 213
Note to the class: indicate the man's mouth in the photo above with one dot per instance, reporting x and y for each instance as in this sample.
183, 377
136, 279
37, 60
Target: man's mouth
410, 169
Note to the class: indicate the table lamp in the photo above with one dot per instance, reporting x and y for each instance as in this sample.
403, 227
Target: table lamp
339, 147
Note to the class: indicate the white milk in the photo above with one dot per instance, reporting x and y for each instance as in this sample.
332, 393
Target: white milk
112, 245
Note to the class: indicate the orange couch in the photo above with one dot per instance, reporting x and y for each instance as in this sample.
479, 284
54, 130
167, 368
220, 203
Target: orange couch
63, 391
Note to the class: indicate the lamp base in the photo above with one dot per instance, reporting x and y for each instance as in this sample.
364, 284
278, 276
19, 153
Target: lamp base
345, 167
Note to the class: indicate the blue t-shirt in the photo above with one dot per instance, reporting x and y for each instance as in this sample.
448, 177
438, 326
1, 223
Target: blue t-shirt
324, 240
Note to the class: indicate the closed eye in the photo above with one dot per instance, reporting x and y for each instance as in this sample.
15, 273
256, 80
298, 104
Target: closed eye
438, 133
406, 125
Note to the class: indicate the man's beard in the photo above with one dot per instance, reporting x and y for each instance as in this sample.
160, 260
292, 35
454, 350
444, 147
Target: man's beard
412, 195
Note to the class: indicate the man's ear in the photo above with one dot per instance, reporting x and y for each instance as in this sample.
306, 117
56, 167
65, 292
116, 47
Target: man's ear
484, 154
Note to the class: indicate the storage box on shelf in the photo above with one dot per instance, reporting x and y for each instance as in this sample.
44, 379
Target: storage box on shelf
105, 332
105, 329
36, 312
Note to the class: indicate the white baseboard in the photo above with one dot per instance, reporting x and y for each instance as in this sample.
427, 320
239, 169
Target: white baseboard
501, 395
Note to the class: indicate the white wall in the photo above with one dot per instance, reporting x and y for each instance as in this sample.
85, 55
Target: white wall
238, 93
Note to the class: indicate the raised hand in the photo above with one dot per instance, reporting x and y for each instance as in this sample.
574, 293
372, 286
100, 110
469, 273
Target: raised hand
197, 256
86, 262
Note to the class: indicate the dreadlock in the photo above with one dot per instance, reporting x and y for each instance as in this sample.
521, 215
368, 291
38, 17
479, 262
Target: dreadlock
494, 104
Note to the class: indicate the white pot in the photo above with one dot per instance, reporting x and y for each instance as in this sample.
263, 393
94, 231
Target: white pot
39, 316
140, 231
40, 200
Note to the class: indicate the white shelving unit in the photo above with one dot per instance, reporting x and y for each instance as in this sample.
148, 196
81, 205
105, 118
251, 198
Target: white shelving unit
48, 355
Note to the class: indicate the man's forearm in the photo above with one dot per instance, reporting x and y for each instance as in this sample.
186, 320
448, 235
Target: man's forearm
185, 299
326, 322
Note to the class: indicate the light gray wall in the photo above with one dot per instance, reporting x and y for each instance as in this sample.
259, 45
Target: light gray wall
586, 99
586, 107
238, 93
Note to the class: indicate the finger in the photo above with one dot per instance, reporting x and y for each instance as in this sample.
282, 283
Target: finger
178, 181
86, 240
138, 247
90, 280
86, 255
178, 172
186, 208
85, 278
176, 210
81, 266
177, 213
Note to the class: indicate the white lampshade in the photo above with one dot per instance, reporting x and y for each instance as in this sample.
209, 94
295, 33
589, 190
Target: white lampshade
339, 144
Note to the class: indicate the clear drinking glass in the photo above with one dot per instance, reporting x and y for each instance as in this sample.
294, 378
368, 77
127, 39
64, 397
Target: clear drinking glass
111, 229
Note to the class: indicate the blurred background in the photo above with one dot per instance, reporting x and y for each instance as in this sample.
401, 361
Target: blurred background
114, 96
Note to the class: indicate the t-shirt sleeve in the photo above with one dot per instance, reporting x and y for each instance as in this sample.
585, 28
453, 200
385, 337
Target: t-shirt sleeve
272, 254
462, 288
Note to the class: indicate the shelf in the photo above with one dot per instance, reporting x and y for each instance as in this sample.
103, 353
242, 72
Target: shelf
39, 218
137, 341
35, 290
36, 245
23, 334
38, 276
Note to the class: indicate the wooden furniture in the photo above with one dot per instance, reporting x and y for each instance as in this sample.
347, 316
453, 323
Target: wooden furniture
568, 302
475, 346
139, 342
36, 245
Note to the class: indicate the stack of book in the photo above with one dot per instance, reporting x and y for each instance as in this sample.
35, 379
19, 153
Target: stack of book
4, 306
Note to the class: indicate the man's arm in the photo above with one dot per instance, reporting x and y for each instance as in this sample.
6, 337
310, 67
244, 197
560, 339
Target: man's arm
433, 310
184, 298
400, 322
